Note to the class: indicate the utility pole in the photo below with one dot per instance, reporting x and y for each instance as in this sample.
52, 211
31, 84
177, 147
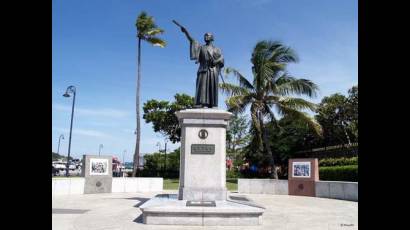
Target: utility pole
165, 155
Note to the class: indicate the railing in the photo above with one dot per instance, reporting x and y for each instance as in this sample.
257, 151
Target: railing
331, 151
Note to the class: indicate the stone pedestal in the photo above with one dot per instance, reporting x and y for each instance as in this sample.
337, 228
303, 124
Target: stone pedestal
202, 178
203, 156
303, 183
99, 178
161, 210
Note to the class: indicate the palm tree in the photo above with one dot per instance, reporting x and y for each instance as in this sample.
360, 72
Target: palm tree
272, 87
146, 31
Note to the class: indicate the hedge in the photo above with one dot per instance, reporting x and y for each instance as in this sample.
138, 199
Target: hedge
339, 173
232, 174
338, 161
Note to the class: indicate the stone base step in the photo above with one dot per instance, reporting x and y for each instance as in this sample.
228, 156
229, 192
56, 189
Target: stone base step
167, 210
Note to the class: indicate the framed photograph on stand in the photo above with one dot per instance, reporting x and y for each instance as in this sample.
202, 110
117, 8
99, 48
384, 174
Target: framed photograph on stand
98, 166
301, 169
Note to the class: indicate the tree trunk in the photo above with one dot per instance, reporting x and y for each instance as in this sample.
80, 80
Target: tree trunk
233, 144
137, 104
274, 173
347, 136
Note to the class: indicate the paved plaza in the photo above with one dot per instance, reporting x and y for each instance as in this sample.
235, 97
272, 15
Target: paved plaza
121, 211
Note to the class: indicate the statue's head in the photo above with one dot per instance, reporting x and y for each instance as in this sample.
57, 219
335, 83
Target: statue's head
208, 37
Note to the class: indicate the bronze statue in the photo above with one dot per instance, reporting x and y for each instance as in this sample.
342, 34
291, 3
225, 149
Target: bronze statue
211, 62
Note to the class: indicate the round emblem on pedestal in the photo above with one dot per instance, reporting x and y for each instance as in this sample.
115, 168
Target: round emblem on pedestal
300, 186
203, 134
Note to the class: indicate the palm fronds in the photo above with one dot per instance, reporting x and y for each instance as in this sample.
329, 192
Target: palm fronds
238, 103
310, 121
233, 90
296, 103
156, 41
243, 82
286, 85
147, 30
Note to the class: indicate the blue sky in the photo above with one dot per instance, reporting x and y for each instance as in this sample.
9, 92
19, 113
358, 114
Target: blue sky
94, 48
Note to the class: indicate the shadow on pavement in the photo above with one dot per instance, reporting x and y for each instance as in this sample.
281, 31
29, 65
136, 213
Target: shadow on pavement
68, 211
141, 201
167, 196
134, 198
139, 219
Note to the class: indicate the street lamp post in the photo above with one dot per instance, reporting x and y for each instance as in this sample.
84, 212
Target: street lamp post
165, 155
70, 90
59, 139
159, 150
123, 162
99, 149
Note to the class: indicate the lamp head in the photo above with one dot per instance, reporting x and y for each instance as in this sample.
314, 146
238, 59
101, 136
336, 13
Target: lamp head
70, 89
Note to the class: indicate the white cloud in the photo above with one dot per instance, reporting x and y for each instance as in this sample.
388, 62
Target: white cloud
115, 113
85, 132
128, 131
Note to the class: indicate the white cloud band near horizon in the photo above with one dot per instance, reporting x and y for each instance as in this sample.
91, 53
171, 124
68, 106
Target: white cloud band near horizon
114, 113
85, 132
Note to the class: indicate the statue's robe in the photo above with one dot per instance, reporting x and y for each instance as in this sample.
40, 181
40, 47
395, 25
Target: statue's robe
206, 94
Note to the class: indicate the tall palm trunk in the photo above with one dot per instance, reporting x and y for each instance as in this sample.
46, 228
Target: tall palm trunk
274, 173
137, 105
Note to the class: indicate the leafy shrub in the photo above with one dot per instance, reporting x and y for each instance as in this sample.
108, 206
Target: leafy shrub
232, 174
338, 161
339, 173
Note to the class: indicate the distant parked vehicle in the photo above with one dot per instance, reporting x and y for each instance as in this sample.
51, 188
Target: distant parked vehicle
59, 164
72, 166
55, 172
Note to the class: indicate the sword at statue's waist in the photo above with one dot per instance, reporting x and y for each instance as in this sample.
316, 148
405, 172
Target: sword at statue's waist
205, 68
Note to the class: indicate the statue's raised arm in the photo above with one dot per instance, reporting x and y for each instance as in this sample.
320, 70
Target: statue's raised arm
183, 29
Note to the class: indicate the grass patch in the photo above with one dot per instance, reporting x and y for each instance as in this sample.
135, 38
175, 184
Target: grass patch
173, 184
232, 184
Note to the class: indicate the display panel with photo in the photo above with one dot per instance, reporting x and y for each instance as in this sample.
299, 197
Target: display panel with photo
301, 169
98, 166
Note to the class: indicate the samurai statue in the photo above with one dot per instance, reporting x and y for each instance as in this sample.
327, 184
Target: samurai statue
211, 62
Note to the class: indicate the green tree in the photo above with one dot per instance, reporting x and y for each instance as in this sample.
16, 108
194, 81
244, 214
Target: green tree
236, 133
272, 87
353, 111
335, 115
236, 138
162, 115
155, 164
295, 135
173, 163
146, 31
